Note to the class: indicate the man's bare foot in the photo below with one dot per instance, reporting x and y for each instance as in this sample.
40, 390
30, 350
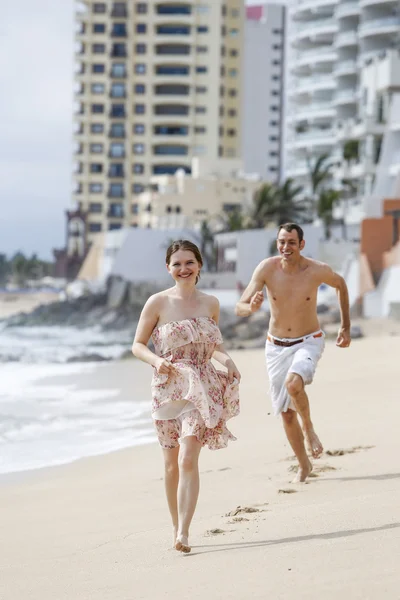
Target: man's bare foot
313, 445
182, 544
303, 473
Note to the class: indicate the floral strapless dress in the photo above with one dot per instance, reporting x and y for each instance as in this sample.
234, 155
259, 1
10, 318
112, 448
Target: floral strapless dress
196, 399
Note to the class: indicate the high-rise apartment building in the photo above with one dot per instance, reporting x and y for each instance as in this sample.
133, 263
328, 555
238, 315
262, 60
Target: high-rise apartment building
263, 76
158, 83
334, 106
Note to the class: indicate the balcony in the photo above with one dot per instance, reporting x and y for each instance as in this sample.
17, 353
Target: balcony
310, 84
171, 110
314, 112
348, 9
170, 130
174, 9
171, 90
346, 97
315, 56
170, 150
346, 38
376, 3
318, 28
379, 26
115, 214
173, 30
172, 50
315, 138
347, 67
304, 8
170, 168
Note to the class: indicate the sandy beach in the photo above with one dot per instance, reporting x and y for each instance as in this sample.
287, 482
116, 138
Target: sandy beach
12, 303
99, 528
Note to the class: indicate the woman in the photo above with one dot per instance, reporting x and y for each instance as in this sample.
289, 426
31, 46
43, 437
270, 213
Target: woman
191, 400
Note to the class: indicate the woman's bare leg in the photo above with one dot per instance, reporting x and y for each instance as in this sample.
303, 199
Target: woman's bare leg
188, 488
171, 481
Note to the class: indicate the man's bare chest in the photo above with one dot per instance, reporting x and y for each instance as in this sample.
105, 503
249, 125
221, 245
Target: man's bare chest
296, 289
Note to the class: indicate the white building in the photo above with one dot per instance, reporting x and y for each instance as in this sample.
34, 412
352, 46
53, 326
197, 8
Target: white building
343, 71
263, 76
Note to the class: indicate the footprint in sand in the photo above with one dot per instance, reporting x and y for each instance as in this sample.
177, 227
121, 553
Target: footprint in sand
287, 491
237, 520
242, 509
343, 451
216, 531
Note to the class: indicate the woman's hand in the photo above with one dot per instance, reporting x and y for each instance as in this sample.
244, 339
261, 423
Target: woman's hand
163, 366
233, 371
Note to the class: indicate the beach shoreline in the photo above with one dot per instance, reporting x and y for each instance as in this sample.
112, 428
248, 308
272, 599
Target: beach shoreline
99, 527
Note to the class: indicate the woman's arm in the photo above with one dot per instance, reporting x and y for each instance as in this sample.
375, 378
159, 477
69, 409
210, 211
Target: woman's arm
147, 321
220, 354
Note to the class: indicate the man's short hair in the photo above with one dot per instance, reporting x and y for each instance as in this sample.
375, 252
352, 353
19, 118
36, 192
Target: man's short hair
289, 227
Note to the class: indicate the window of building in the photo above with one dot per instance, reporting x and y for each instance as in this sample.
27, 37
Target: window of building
233, 52
223, 50
119, 9
95, 188
232, 112
96, 128
177, 209
118, 90
97, 88
273, 123
96, 168
232, 93
201, 69
118, 70
233, 32
141, 48
273, 138
222, 71
222, 91
141, 28
114, 226
172, 70
99, 7
274, 108
223, 31
135, 208
96, 148
97, 108
118, 50
138, 188
95, 207
140, 88
202, 49
141, 8
99, 28
168, 208
273, 154
200, 110
117, 130
117, 111
139, 128
235, 12
203, 9
94, 227
231, 132
275, 77
201, 89
233, 72
98, 48
138, 148
200, 130
140, 68
276, 62
117, 150
221, 111
138, 168
119, 30
98, 68
277, 31
116, 170
221, 131
140, 109
275, 93
273, 169
116, 190
276, 47
202, 29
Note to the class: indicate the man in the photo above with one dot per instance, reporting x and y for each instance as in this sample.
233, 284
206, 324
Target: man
295, 341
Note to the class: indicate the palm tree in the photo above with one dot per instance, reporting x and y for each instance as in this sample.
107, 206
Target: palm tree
207, 245
289, 207
319, 174
264, 203
326, 201
233, 220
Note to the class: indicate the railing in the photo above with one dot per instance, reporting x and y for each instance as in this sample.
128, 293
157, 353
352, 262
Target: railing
347, 8
346, 37
380, 23
317, 24
347, 65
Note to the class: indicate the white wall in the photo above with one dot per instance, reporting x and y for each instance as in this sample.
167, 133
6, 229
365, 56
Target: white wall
141, 257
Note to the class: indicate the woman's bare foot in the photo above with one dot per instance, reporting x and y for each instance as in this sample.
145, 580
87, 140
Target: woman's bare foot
182, 544
303, 473
313, 444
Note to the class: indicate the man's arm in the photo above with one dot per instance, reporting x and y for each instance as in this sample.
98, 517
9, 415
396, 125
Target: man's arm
336, 281
252, 297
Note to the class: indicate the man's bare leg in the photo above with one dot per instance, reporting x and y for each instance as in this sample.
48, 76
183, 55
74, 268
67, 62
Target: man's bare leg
296, 439
188, 489
295, 388
171, 480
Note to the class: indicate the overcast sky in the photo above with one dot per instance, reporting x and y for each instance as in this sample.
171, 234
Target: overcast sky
36, 101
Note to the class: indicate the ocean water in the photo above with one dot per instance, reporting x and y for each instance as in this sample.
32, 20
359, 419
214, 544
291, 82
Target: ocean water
47, 416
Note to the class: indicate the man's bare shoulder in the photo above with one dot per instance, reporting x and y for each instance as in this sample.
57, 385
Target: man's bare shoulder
269, 264
315, 265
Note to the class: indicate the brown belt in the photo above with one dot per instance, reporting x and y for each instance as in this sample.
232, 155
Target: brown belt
288, 344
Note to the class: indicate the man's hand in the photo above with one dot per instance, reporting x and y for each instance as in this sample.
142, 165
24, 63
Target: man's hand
256, 301
343, 338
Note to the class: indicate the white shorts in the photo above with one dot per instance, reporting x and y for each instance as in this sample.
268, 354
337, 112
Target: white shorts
301, 358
